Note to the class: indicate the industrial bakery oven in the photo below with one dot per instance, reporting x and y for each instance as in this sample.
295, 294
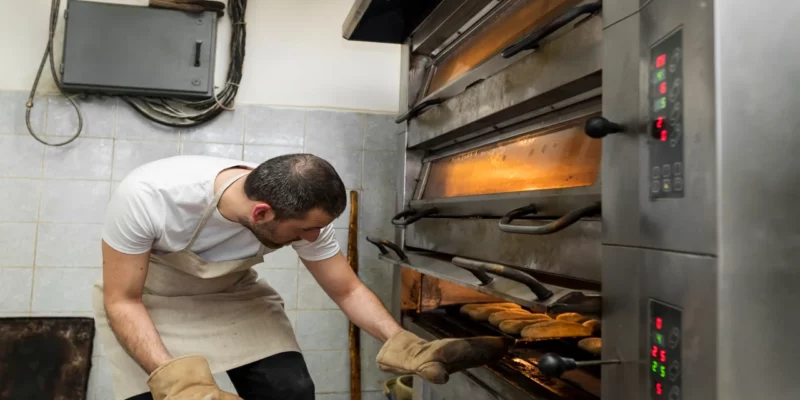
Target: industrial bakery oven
630, 162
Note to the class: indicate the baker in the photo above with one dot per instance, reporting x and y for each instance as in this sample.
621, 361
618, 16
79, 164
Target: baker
179, 298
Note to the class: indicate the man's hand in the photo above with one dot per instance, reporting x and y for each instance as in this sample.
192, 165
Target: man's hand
434, 361
186, 378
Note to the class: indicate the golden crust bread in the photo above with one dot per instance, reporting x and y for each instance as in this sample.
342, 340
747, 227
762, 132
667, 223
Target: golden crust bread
500, 316
554, 330
514, 327
593, 324
466, 307
573, 317
593, 345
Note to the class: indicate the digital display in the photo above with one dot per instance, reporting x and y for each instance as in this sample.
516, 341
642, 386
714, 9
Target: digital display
665, 351
666, 118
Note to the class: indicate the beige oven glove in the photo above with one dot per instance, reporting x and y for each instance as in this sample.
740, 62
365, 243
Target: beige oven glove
434, 361
186, 378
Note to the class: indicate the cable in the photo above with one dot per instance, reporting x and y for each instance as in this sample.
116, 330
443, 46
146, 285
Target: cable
48, 54
178, 113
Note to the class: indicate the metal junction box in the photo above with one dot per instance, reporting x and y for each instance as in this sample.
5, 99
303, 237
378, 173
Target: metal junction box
120, 49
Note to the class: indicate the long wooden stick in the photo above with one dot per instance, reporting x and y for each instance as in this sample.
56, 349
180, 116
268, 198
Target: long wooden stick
355, 337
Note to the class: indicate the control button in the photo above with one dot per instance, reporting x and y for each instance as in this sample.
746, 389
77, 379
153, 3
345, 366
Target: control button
674, 370
675, 115
656, 186
667, 186
678, 184
674, 59
675, 393
674, 338
677, 168
656, 173
676, 90
665, 170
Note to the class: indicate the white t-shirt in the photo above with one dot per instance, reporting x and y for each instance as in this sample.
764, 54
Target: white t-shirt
159, 205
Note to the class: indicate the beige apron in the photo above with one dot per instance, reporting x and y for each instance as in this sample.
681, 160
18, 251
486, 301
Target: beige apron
215, 309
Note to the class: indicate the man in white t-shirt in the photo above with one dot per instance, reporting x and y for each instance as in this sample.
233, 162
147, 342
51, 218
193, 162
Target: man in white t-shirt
179, 298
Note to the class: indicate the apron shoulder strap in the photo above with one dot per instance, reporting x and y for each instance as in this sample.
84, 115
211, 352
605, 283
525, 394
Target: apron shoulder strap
210, 209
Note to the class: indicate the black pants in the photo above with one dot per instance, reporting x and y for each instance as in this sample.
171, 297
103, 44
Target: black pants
283, 376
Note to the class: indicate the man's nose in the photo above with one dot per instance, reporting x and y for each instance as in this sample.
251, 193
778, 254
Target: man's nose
310, 236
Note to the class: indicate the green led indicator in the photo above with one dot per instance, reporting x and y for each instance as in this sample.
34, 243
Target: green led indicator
663, 371
659, 76
660, 339
655, 366
660, 104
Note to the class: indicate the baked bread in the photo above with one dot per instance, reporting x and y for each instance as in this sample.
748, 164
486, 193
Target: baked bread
483, 313
573, 317
500, 316
593, 324
593, 345
466, 307
514, 327
554, 330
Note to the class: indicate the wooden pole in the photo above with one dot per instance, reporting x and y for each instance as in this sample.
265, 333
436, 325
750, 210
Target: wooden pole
355, 337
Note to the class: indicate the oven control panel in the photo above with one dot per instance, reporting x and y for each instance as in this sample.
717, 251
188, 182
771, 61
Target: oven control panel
667, 170
664, 348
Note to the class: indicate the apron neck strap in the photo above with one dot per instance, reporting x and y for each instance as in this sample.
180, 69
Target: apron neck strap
210, 209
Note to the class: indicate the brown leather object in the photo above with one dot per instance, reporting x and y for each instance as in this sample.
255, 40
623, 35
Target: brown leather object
573, 317
593, 345
194, 6
554, 330
434, 361
514, 327
500, 316
187, 377
593, 324
467, 307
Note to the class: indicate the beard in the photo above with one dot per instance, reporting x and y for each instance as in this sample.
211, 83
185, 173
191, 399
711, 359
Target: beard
267, 234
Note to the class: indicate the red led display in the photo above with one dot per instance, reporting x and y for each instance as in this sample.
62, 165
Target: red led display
662, 356
659, 321
661, 60
663, 138
654, 352
662, 88
660, 123
659, 390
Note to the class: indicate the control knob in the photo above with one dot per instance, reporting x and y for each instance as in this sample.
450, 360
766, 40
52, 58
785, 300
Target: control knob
599, 127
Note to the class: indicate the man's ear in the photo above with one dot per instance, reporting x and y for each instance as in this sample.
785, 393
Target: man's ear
262, 212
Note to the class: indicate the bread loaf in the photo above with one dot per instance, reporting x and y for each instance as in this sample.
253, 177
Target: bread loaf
483, 313
554, 330
593, 345
500, 316
573, 317
593, 324
466, 307
514, 327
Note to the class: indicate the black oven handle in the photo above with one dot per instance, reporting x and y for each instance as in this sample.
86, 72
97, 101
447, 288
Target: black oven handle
411, 215
479, 267
417, 110
532, 41
382, 244
546, 229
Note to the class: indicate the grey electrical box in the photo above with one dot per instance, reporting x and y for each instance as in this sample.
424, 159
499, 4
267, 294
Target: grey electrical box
121, 49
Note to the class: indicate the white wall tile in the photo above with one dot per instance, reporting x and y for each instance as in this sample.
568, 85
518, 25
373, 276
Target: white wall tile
85, 158
98, 114
74, 201
17, 242
228, 127
344, 220
12, 113
380, 170
379, 281
64, 289
334, 129
372, 377
285, 257
275, 126
224, 382
131, 125
284, 281
347, 163
101, 382
377, 211
15, 289
341, 238
329, 370
310, 295
128, 155
322, 330
258, 154
333, 396
232, 151
20, 156
19, 200
380, 132
69, 245
292, 315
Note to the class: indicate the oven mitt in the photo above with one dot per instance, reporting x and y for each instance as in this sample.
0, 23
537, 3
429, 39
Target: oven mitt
186, 378
434, 361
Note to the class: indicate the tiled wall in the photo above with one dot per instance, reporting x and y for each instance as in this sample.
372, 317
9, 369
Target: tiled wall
52, 202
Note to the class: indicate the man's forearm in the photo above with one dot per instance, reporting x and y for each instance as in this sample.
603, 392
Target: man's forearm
366, 311
135, 331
